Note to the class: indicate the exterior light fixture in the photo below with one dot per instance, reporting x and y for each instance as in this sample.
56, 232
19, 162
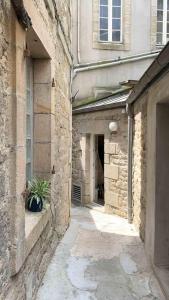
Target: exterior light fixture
123, 111
113, 126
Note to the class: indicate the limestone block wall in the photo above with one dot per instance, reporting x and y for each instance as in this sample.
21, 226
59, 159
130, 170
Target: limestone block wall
145, 167
24, 254
139, 164
85, 127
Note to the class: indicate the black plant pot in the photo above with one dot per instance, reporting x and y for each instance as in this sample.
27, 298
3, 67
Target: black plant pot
35, 204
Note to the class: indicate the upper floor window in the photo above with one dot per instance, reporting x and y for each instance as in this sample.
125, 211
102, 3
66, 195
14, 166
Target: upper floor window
162, 22
111, 21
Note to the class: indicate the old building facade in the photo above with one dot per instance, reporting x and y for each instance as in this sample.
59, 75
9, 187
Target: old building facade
99, 166
114, 42
149, 103
112, 47
35, 140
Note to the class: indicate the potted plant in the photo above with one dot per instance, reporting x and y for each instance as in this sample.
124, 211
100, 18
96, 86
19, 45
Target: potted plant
38, 190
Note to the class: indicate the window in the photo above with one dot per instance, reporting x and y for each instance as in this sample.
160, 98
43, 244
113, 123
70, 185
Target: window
29, 119
162, 22
110, 21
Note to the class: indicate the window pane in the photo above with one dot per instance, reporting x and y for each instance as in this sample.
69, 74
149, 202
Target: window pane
28, 150
104, 35
116, 36
167, 27
116, 23
103, 23
159, 38
167, 37
159, 15
28, 126
28, 171
28, 76
168, 16
103, 2
104, 11
168, 4
116, 2
160, 4
28, 102
116, 13
159, 27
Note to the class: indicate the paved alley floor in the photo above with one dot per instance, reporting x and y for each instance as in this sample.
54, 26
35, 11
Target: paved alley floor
100, 258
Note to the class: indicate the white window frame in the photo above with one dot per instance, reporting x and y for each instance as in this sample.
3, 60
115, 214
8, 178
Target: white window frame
164, 22
110, 6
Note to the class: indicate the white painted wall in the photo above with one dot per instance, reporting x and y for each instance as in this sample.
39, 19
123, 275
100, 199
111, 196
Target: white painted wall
140, 43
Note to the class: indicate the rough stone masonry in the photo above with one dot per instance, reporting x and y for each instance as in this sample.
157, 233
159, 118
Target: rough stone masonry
86, 126
27, 243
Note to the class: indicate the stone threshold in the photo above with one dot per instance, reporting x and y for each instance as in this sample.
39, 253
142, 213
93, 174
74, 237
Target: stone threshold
34, 226
162, 275
96, 206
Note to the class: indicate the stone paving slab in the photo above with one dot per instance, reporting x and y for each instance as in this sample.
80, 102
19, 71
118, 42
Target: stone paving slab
101, 257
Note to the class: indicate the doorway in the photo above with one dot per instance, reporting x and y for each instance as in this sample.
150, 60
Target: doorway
99, 169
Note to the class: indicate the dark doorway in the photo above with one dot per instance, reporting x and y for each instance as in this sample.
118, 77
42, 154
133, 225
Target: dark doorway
99, 169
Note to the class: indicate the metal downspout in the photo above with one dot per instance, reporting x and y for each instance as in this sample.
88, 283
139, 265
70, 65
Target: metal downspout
101, 65
130, 147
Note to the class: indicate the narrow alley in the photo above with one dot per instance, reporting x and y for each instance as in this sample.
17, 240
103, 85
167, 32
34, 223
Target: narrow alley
100, 258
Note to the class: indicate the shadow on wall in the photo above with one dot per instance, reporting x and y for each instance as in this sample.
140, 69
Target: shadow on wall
78, 170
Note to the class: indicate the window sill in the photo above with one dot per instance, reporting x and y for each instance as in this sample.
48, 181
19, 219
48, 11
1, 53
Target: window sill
160, 47
110, 43
34, 226
110, 46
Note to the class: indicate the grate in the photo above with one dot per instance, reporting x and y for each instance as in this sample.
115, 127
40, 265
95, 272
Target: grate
77, 193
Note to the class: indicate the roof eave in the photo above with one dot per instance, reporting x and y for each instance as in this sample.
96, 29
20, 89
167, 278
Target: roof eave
152, 73
103, 107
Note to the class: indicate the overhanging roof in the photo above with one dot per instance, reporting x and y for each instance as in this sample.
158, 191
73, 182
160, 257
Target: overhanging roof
158, 67
118, 100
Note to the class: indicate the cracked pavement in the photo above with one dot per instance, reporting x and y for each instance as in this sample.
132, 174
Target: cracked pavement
101, 257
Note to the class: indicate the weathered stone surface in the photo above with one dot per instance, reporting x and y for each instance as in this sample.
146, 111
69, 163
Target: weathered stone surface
100, 257
112, 172
139, 165
85, 127
56, 129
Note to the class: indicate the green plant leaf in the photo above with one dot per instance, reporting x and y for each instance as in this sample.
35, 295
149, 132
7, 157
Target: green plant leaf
39, 187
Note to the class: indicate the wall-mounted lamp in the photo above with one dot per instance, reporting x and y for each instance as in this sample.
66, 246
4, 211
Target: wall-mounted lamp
113, 126
123, 111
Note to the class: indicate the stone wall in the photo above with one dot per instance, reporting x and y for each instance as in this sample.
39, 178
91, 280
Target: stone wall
85, 127
145, 167
25, 252
139, 164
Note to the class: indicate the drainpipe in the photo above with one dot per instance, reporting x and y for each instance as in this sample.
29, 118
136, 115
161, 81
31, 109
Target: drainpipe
105, 64
78, 32
130, 147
